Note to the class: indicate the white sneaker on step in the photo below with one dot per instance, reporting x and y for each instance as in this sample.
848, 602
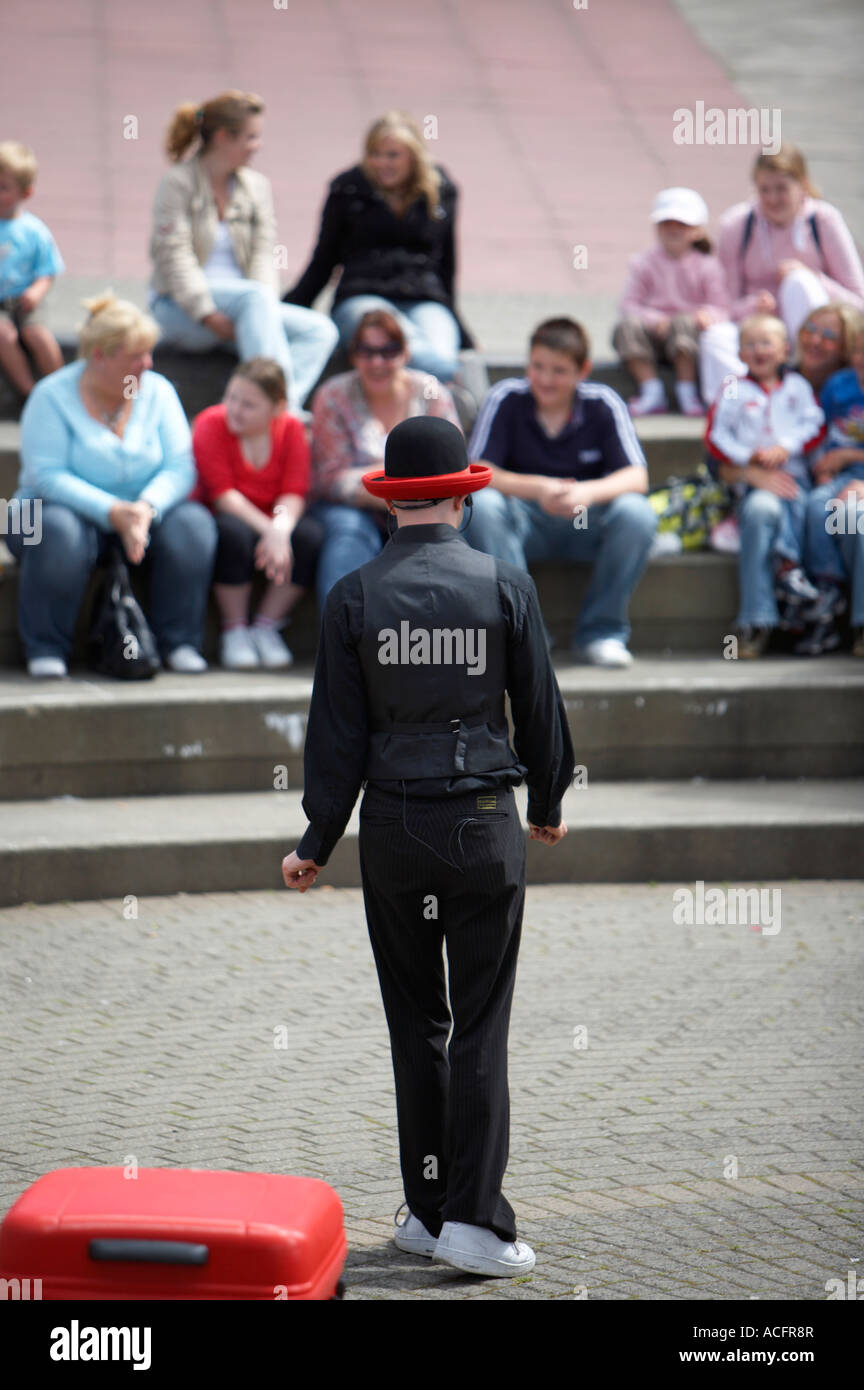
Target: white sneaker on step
185, 661
411, 1235
46, 667
606, 651
237, 651
272, 651
478, 1250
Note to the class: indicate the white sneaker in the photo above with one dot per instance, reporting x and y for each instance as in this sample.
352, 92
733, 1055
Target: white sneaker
46, 667
726, 536
478, 1250
665, 543
606, 651
411, 1235
272, 651
185, 661
237, 651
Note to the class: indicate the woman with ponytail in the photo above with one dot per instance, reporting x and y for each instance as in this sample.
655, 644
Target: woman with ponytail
214, 248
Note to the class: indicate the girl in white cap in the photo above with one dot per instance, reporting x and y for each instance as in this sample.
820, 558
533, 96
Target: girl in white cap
673, 292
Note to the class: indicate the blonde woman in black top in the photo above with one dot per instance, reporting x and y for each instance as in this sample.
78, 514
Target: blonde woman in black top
389, 223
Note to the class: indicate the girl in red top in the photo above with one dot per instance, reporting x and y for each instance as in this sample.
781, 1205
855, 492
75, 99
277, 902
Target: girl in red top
253, 473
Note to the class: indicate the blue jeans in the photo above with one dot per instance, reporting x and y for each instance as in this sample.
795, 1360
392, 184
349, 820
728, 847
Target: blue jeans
617, 538
300, 340
54, 576
837, 555
431, 330
351, 537
772, 528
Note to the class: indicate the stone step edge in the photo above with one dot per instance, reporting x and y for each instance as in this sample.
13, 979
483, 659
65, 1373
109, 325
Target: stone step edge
622, 846
276, 815
708, 676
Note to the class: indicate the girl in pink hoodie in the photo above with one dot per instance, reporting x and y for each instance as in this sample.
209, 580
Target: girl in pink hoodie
672, 294
787, 252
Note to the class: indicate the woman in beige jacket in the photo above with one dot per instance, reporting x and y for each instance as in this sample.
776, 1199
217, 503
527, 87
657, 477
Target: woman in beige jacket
214, 248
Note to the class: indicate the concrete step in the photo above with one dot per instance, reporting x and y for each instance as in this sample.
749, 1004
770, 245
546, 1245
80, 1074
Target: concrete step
676, 832
684, 603
232, 731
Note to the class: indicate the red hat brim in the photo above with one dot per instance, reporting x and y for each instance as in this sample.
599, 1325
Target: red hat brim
469, 479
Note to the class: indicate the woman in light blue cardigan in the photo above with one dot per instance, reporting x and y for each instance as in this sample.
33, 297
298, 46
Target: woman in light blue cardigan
106, 448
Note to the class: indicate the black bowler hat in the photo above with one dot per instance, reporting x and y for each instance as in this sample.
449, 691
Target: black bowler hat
425, 457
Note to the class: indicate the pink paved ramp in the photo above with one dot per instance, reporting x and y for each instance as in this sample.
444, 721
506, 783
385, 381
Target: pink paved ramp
556, 122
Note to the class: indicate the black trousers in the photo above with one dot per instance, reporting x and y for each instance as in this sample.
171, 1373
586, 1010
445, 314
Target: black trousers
235, 555
465, 885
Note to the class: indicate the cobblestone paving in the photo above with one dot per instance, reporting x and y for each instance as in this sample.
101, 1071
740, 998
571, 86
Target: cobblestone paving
703, 1048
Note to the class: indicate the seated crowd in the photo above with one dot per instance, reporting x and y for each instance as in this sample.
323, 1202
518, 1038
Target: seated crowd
269, 479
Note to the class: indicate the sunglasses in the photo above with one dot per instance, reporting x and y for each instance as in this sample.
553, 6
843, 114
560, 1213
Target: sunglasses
827, 333
388, 352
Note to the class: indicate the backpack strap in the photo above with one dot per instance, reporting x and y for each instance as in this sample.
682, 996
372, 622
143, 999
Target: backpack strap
751, 222
748, 232
814, 228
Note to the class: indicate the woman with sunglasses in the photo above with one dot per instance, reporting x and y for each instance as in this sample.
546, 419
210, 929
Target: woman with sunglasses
352, 415
824, 342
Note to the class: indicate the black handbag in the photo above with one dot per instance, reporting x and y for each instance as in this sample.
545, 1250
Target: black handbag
120, 642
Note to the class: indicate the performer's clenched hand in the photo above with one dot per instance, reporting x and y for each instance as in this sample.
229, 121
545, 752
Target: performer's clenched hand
299, 873
548, 834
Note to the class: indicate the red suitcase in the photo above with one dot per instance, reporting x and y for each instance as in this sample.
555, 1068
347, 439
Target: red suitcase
174, 1233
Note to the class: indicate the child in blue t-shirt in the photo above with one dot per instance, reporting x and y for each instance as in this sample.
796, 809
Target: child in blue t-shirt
831, 553
29, 261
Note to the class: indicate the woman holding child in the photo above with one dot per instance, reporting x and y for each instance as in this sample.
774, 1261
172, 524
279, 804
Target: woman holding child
834, 546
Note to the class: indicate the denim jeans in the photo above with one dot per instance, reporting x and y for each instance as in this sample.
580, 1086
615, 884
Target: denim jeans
431, 330
54, 576
772, 528
351, 537
617, 538
300, 340
838, 555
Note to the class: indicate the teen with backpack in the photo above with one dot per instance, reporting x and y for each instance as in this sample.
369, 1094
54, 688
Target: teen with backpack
784, 253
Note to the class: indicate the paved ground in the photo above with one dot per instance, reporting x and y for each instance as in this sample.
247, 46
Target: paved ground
704, 1047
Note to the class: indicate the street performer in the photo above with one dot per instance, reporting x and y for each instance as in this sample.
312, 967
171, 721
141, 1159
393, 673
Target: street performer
417, 649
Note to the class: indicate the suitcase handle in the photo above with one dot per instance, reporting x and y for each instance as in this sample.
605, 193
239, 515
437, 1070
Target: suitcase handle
163, 1252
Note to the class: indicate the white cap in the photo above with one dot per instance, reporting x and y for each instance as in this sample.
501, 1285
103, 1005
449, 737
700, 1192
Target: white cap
680, 205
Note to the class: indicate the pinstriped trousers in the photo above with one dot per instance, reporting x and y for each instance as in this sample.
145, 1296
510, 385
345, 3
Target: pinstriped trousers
447, 870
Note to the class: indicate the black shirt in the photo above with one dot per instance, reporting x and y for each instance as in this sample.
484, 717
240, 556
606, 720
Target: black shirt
411, 256
339, 723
